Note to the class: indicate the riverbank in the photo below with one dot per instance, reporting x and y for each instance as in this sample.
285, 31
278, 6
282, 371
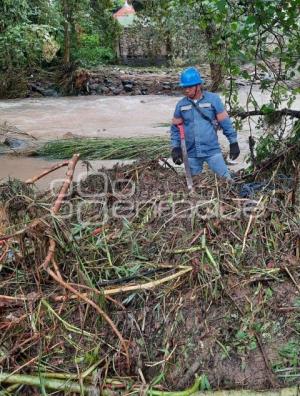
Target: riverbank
110, 81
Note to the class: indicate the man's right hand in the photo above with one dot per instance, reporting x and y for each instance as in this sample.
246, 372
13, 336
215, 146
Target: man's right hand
177, 155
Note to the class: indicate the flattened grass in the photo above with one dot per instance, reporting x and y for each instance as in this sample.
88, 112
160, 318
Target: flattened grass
106, 148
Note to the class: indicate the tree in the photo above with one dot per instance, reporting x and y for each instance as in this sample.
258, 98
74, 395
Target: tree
235, 31
28, 27
258, 41
25, 37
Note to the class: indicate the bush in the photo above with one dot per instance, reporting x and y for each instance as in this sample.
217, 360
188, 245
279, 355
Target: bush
90, 53
27, 45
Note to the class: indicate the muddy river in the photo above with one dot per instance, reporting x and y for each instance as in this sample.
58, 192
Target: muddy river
98, 116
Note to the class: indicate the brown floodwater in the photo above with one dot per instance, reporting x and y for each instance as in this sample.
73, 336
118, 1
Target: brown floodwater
25, 168
99, 116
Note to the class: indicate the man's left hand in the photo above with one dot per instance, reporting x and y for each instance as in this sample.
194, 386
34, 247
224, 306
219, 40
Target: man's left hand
234, 151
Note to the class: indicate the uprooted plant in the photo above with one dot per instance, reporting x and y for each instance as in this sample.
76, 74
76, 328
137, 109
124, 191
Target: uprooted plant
123, 281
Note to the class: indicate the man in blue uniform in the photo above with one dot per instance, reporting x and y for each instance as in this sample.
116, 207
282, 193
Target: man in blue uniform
200, 112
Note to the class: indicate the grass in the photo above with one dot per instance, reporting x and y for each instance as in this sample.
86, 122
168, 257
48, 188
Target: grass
106, 148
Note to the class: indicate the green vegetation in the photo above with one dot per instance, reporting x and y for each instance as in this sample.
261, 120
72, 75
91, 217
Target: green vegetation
89, 53
230, 34
105, 148
63, 30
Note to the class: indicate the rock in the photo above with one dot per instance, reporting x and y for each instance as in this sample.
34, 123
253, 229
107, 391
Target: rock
125, 82
15, 143
116, 90
50, 92
103, 89
128, 87
108, 82
43, 91
144, 91
166, 85
94, 87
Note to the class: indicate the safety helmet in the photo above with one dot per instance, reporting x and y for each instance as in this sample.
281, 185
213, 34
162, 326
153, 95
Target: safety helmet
190, 77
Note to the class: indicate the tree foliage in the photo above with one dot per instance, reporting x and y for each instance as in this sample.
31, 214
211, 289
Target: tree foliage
31, 32
257, 41
262, 33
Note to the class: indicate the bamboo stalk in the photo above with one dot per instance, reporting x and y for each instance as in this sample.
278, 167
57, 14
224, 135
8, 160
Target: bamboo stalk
69, 176
187, 250
105, 292
148, 285
54, 384
292, 391
72, 386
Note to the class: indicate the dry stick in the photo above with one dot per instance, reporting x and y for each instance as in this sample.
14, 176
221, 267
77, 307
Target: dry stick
292, 278
105, 292
249, 225
49, 258
69, 176
57, 204
51, 250
142, 286
57, 269
4, 298
6, 237
5, 251
94, 305
46, 172
148, 285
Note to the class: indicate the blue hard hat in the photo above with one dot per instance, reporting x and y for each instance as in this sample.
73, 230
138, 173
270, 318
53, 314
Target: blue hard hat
190, 77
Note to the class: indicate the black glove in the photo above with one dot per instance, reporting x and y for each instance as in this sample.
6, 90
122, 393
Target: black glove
234, 151
177, 155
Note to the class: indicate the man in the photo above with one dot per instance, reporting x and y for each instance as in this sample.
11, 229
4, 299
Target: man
200, 111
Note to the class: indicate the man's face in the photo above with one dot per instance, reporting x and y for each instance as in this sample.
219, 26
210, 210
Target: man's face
193, 92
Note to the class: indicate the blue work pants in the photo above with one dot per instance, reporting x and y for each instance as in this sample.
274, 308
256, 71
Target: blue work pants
215, 162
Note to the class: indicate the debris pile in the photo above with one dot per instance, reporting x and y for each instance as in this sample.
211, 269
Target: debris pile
123, 283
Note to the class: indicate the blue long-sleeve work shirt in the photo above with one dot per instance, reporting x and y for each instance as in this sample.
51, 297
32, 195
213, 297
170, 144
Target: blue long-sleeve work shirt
200, 134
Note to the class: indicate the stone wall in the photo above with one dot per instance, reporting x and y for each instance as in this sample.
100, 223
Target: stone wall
138, 48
